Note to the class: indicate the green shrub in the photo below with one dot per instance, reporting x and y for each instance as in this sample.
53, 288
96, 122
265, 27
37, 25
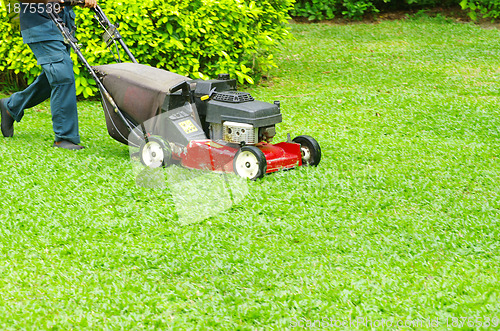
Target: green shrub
196, 38
483, 8
316, 9
355, 9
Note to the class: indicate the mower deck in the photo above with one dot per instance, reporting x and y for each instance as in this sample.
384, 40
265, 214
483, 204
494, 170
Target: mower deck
220, 156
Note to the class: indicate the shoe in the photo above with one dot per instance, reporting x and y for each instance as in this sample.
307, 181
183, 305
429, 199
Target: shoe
7, 120
67, 145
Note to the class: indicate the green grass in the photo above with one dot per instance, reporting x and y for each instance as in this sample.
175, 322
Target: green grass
400, 220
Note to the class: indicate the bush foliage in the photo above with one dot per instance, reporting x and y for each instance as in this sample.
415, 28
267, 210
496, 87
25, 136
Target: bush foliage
355, 9
483, 8
196, 38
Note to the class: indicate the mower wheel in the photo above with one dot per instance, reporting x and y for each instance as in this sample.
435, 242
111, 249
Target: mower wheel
249, 162
155, 152
310, 149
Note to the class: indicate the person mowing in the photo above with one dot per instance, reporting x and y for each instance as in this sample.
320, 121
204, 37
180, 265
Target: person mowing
57, 80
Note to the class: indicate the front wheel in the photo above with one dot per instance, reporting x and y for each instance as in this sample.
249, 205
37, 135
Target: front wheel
249, 162
155, 153
310, 149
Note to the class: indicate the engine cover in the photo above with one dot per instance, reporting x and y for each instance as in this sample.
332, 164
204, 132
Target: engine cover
256, 113
228, 104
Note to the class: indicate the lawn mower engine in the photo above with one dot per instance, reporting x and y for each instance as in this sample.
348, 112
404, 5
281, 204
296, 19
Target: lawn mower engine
201, 124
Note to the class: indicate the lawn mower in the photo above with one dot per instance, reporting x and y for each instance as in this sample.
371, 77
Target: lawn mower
199, 124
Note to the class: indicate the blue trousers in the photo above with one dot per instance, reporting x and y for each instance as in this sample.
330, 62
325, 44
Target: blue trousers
57, 82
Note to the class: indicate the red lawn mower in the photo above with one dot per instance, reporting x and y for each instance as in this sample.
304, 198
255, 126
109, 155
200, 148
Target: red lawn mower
200, 124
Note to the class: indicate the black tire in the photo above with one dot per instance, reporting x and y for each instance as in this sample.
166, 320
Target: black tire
155, 152
249, 162
311, 151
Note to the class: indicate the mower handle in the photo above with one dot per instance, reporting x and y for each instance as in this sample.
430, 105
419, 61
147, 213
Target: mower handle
101, 17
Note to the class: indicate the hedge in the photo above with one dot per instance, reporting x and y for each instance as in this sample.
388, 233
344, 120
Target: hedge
355, 9
201, 38
196, 38
482, 8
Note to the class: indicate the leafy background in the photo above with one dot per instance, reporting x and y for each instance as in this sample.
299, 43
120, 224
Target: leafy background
198, 38
201, 38
356, 9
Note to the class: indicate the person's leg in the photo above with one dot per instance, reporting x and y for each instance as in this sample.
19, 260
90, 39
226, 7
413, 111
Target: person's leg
54, 57
57, 81
14, 106
36, 93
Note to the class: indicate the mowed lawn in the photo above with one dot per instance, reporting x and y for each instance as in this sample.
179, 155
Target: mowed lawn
400, 220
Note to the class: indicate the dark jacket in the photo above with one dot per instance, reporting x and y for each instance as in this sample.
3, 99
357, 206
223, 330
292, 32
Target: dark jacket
36, 26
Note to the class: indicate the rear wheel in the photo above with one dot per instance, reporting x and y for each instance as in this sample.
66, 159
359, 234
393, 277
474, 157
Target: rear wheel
249, 162
310, 149
155, 153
